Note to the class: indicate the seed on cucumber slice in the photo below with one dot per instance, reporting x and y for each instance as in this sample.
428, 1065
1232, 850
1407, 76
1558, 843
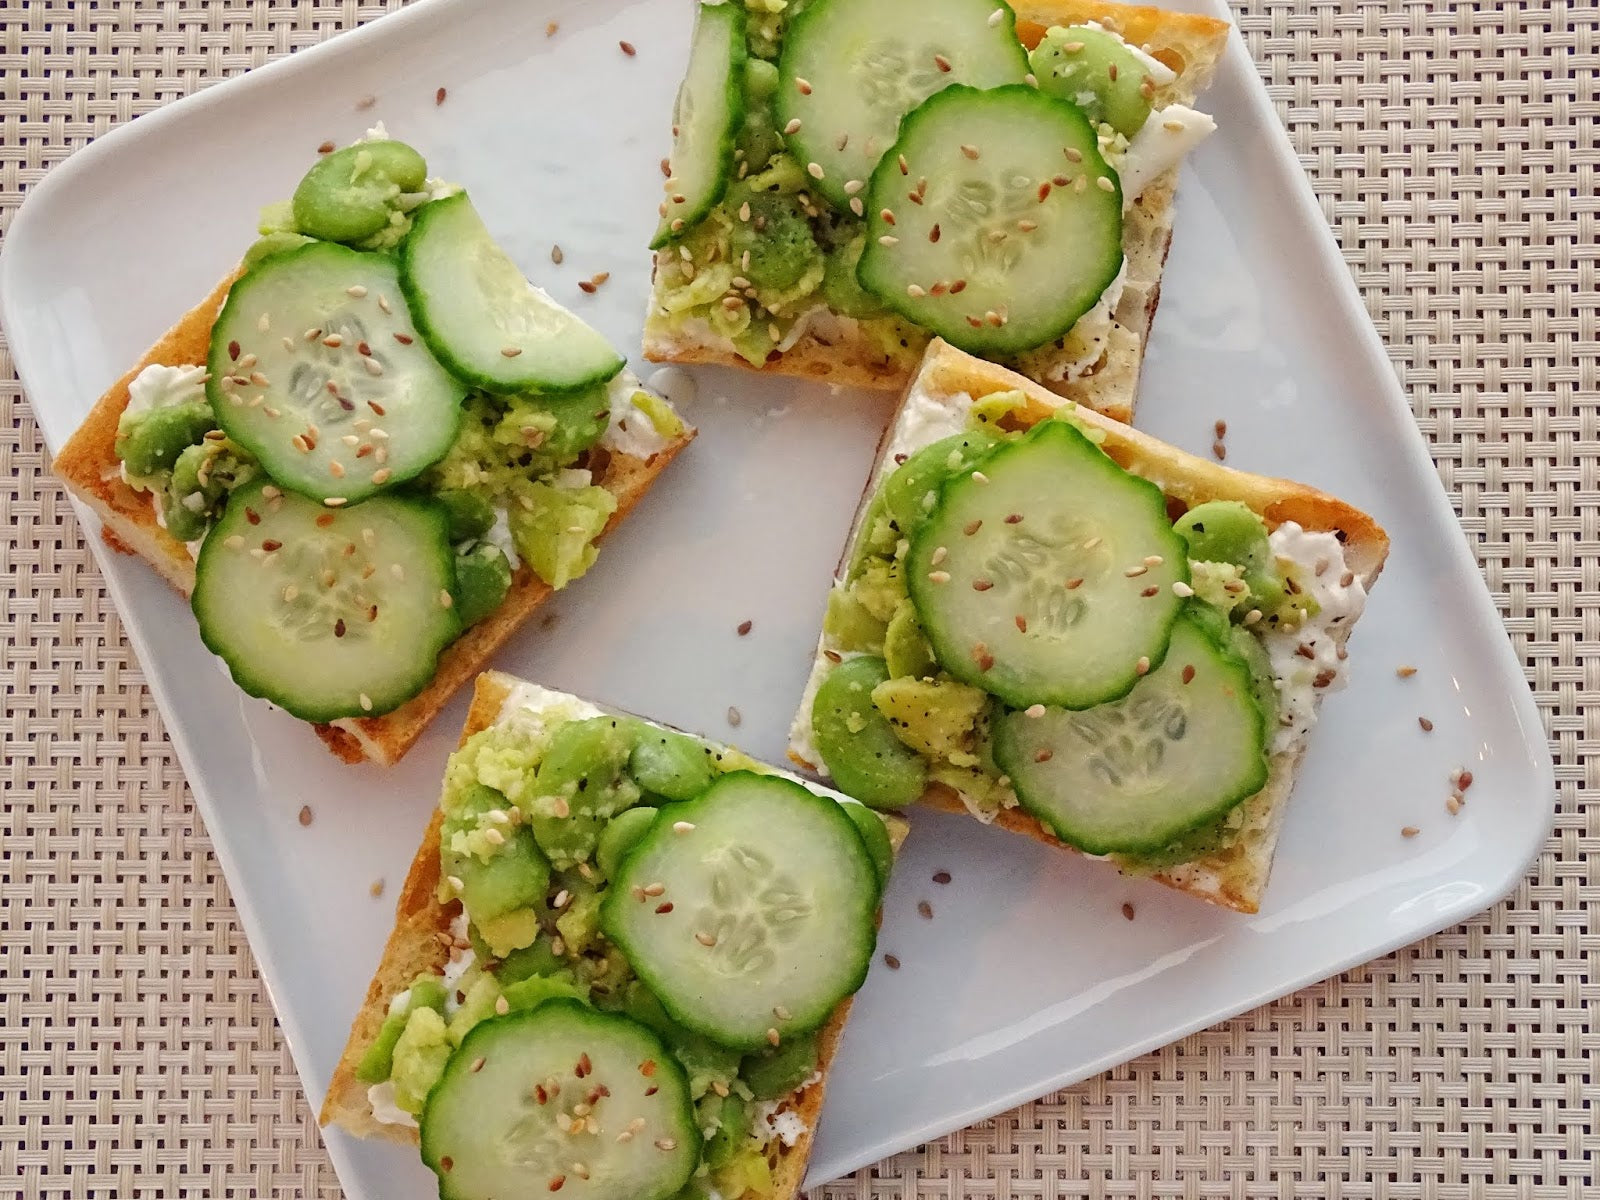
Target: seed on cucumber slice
1181, 749
327, 613
561, 1096
751, 913
481, 316
1003, 226
706, 120
316, 369
1045, 576
850, 71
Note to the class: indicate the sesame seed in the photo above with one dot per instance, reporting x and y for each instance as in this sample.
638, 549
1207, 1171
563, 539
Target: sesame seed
550, 29
925, 910
1149, 591
1465, 781
1453, 804
857, 207
1254, 615
1219, 450
305, 814
933, 233
979, 477
336, 468
627, 48
1074, 584
513, 351
996, 17
915, 291
705, 939
1104, 184
1044, 756
1034, 710
556, 1183
1142, 667
333, 341
446, 600
1135, 572
814, 170
366, 702
938, 555
772, 1037
939, 576
1182, 589
1188, 673
233, 541
982, 585
1409, 831
683, 827
891, 962
941, 62
734, 717
1427, 725
888, 239
782, 1013
1127, 911
1405, 672
802, 86
1073, 154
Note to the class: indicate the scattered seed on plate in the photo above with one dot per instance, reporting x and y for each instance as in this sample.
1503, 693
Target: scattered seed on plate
1405, 672
305, 814
376, 889
1409, 831
438, 97
627, 48
734, 716
941, 876
1127, 911
1427, 725
556, 256
745, 627
925, 910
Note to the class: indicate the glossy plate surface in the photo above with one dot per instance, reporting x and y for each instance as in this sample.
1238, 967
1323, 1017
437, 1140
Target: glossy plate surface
1028, 976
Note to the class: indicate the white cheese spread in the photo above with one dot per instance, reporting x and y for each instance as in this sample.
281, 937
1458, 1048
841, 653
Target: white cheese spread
161, 386
384, 1109
631, 430
1340, 596
1162, 141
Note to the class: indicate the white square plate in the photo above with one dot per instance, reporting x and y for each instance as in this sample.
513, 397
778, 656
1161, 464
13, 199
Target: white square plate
1027, 977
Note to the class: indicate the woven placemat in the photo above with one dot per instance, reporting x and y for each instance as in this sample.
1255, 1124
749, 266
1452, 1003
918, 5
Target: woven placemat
1454, 151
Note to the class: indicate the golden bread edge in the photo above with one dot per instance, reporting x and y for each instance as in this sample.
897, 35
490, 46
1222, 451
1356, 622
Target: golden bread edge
89, 467
417, 944
1189, 42
1236, 878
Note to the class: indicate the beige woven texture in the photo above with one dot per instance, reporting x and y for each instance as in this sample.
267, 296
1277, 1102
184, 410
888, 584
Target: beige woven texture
1454, 152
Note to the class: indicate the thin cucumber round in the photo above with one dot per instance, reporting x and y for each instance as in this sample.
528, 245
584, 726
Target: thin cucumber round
560, 1097
1045, 575
327, 612
706, 120
750, 913
481, 316
316, 369
1131, 776
849, 72
993, 220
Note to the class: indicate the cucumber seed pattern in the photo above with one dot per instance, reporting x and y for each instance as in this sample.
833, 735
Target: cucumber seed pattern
1124, 745
754, 908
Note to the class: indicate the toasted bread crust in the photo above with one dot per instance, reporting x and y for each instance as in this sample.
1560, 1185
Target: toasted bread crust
1189, 43
1236, 876
419, 944
89, 467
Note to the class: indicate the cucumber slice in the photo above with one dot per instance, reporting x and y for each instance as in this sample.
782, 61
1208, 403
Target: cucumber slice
752, 923
561, 1096
482, 317
316, 370
1045, 576
1004, 226
1181, 749
327, 613
705, 120
850, 71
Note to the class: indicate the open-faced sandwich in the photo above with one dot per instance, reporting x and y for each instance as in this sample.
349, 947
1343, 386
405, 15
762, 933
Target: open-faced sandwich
1070, 629
620, 965
371, 452
852, 177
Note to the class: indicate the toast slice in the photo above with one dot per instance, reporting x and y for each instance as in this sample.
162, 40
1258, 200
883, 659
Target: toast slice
836, 349
425, 939
89, 466
1234, 875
